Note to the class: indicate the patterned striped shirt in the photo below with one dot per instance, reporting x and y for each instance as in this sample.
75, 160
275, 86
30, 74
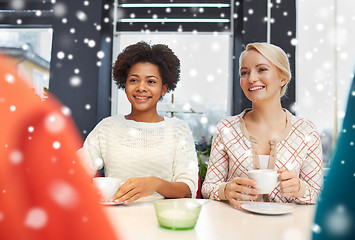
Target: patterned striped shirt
234, 152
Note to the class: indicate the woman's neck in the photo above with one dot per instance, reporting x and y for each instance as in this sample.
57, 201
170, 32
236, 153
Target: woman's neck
267, 113
150, 117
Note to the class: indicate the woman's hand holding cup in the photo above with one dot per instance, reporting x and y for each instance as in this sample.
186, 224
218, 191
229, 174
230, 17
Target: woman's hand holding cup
289, 183
241, 189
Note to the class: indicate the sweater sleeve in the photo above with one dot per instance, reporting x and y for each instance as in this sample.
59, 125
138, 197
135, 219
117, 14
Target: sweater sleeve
91, 153
185, 167
217, 171
311, 172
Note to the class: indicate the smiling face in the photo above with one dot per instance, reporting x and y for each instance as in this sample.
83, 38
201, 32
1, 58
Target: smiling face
259, 78
144, 87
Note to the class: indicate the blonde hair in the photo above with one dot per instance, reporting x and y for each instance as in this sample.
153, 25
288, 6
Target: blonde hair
275, 55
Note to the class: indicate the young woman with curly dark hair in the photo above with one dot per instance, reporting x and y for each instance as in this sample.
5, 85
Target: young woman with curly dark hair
150, 153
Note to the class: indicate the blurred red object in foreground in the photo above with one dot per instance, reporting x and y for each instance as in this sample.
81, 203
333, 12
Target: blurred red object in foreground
44, 191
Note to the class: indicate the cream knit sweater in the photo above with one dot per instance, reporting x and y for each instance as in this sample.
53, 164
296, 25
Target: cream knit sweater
128, 149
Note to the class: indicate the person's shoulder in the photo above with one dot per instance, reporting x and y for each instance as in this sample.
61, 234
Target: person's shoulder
232, 119
229, 121
178, 126
175, 120
303, 123
177, 123
111, 120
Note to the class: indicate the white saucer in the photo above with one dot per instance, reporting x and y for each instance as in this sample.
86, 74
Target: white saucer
110, 203
268, 208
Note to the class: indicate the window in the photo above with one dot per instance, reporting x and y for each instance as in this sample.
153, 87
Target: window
30, 49
325, 65
200, 35
203, 95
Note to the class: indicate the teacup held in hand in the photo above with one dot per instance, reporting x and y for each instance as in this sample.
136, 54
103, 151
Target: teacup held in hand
107, 186
266, 179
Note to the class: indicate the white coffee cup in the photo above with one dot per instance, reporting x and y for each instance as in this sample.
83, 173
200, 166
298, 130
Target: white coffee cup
266, 179
107, 186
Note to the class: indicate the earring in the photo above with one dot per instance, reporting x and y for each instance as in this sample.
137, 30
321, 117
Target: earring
283, 80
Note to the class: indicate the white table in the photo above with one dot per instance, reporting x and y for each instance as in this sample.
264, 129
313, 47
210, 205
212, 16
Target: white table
218, 220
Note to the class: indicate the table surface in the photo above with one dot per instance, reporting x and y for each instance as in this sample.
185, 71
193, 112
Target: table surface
217, 220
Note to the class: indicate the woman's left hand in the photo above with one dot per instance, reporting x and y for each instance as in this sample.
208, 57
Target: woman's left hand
289, 183
136, 188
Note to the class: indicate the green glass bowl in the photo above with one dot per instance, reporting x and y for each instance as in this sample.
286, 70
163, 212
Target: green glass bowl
177, 214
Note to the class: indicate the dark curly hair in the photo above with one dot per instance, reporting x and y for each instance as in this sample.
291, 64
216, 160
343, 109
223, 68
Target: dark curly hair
159, 54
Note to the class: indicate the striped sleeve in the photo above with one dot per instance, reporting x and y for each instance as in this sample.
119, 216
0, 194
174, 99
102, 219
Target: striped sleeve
311, 172
217, 171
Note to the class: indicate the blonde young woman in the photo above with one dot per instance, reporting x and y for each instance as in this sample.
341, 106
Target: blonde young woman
264, 137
